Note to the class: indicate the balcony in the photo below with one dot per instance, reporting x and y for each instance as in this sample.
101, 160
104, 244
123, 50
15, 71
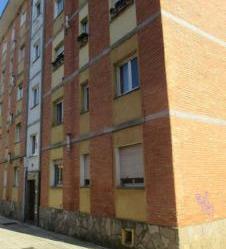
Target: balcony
58, 61
83, 39
119, 7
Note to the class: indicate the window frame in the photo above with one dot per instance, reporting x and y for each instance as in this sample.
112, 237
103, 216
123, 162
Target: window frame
38, 13
34, 104
37, 51
57, 165
83, 182
34, 146
84, 23
85, 97
18, 132
19, 95
118, 76
119, 183
58, 11
16, 177
55, 115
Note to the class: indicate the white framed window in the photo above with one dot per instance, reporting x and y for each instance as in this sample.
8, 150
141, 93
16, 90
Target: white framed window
36, 50
127, 76
22, 18
16, 177
59, 50
37, 9
19, 92
59, 7
57, 173
34, 144
84, 25
130, 166
17, 132
58, 112
21, 54
85, 170
85, 97
5, 178
35, 96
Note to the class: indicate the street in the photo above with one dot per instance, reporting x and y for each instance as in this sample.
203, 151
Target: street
15, 235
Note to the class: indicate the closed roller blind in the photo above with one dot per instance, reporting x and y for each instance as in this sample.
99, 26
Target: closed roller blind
86, 167
131, 162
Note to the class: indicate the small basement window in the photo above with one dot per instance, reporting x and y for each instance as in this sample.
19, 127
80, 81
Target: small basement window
128, 237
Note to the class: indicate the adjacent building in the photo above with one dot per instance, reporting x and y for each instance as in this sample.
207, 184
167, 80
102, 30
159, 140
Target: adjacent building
126, 140
32, 166
14, 65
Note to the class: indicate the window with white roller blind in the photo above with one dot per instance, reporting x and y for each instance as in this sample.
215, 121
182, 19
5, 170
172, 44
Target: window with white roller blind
85, 170
130, 166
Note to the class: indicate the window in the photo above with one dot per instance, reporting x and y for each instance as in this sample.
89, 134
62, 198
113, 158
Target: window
36, 51
35, 96
0, 108
130, 168
19, 92
58, 56
34, 145
5, 178
17, 132
59, 50
21, 54
84, 25
57, 173
16, 177
58, 112
59, 6
38, 8
85, 170
127, 76
85, 97
22, 18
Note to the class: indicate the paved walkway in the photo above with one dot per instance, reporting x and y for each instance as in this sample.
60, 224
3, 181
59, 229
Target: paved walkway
15, 235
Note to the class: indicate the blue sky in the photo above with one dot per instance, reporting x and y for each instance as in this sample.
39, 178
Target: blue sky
2, 5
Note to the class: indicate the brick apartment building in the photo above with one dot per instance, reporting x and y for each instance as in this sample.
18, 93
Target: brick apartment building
132, 122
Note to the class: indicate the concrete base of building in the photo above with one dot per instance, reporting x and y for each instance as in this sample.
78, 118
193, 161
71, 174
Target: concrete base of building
10, 209
107, 231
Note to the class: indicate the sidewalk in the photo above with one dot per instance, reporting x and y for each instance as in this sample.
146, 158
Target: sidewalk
16, 235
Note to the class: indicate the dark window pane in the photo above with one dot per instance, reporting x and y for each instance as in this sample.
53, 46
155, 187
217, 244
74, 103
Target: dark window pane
135, 74
124, 78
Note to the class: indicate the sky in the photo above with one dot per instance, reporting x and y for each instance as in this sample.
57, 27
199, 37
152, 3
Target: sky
2, 5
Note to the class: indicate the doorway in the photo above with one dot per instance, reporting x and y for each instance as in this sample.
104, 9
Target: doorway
30, 217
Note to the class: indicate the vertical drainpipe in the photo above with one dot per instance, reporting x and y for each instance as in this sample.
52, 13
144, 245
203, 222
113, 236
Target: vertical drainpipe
27, 110
41, 106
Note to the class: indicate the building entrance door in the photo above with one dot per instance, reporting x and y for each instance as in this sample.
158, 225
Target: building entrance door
30, 217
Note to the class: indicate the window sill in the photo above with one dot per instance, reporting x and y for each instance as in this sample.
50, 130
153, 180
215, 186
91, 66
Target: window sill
85, 187
84, 112
130, 187
127, 93
56, 124
57, 187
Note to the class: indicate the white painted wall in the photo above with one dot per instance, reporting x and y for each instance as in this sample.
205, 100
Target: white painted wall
34, 113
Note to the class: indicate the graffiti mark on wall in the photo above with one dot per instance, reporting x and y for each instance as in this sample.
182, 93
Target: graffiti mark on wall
205, 204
